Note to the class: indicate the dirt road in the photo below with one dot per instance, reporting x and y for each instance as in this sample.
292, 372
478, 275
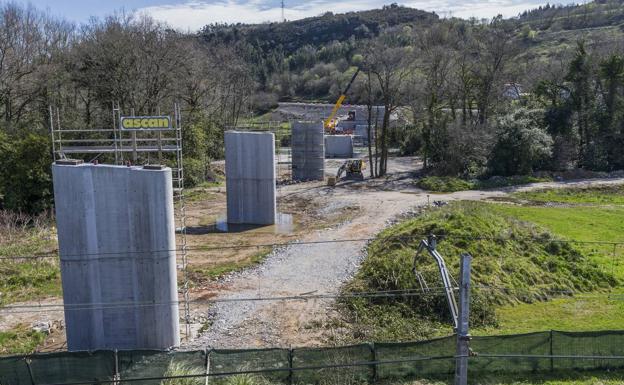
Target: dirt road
317, 268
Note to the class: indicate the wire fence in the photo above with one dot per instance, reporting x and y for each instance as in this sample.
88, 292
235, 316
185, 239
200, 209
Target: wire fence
412, 237
549, 352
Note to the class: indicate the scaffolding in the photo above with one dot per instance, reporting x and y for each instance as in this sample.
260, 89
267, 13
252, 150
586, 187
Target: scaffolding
133, 147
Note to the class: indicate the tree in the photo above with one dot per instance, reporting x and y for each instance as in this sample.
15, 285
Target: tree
582, 98
522, 145
390, 65
494, 48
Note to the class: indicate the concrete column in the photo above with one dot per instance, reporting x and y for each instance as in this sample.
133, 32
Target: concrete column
250, 177
116, 235
308, 151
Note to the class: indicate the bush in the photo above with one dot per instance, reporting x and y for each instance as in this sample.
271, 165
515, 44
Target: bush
444, 184
25, 174
522, 144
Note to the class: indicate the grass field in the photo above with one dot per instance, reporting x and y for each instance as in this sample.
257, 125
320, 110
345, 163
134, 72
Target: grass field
602, 195
20, 340
532, 261
27, 279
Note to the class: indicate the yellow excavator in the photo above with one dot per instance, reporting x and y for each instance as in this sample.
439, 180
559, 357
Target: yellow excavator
331, 122
352, 168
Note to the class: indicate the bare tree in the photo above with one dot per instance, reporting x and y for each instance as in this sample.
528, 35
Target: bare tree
389, 62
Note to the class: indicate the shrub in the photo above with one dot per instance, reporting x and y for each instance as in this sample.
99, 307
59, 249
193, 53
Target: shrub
444, 184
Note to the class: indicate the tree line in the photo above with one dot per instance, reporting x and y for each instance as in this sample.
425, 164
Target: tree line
474, 98
140, 65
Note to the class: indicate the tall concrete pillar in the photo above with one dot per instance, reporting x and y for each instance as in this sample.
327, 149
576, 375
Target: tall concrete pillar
308, 151
250, 177
116, 234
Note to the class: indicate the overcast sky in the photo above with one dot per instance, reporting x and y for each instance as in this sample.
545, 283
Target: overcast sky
190, 15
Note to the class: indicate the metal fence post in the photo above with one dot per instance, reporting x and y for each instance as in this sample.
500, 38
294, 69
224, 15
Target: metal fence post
552, 362
117, 376
374, 361
208, 351
463, 337
290, 366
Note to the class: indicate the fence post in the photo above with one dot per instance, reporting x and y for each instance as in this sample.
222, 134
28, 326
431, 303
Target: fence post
208, 351
290, 366
117, 376
374, 361
552, 362
463, 337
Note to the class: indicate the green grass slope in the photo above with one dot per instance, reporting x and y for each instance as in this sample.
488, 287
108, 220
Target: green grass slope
524, 258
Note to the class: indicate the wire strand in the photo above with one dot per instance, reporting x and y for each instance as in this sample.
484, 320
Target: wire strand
124, 254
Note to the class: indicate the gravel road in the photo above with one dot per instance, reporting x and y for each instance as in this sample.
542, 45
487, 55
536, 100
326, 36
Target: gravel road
302, 269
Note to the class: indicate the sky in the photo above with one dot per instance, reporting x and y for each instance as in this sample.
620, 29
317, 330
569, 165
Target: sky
191, 15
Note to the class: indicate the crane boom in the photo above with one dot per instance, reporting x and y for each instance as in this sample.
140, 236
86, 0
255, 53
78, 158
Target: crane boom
343, 96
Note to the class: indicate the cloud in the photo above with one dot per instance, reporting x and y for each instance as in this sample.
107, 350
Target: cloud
192, 15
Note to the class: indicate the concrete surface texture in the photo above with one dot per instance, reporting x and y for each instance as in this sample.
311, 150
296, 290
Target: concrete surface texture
308, 151
116, 236
250, 177
338, 146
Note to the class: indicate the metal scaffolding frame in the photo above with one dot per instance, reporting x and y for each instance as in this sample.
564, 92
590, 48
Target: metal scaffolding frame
135, 147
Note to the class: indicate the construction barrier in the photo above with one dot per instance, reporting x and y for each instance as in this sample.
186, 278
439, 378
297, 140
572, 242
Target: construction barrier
532, 353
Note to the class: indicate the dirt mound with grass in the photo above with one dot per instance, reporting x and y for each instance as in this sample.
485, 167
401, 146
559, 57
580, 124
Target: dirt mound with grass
514, 262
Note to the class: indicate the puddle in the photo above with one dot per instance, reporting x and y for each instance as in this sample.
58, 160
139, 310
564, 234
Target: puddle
284, 224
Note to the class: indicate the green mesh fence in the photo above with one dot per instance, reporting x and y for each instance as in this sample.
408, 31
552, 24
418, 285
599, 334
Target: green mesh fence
543, 352
435, 358
337, 361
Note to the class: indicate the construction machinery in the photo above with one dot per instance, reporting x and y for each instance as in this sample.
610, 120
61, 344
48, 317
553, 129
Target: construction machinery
331, 122
352, 168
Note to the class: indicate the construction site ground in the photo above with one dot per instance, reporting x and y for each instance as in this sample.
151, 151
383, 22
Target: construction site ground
227, 268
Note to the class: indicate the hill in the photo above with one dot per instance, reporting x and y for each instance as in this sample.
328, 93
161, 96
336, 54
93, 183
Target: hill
317, 31
311, 59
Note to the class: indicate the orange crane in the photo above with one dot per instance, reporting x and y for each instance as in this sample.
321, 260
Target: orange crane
330, 123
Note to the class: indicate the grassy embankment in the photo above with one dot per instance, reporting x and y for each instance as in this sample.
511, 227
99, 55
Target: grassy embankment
530, 261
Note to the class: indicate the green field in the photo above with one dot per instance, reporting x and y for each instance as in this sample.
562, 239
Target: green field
601, 195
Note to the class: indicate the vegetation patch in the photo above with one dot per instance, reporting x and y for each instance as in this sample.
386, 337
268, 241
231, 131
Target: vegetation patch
199, 274
23, 278
599, 195
452, 184
515, 180
20, 340
525, 258
26, 280
444, 184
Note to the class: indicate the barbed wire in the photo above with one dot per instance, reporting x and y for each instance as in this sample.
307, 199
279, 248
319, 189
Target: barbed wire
440, 237
302, 297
